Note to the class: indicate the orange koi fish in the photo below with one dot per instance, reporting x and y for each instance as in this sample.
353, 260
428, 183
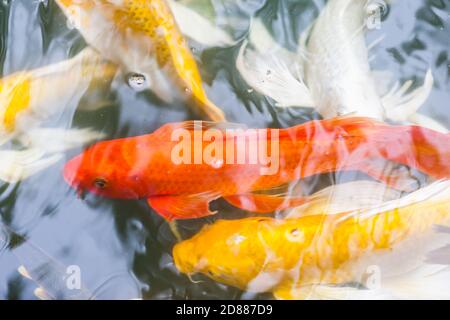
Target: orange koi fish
182, 167
392, 250
144, 38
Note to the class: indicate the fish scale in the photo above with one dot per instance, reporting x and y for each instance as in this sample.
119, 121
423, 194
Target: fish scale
145, 30
310, 250
144, 167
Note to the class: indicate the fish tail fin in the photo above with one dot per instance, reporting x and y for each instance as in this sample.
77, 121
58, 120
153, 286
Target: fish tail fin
266, 70
416, 147
213, 112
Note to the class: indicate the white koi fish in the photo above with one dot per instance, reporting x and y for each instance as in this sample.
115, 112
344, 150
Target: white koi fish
331, 70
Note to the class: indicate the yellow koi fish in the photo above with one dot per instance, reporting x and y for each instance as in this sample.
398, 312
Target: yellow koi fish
29, 98
144, 38
391, 250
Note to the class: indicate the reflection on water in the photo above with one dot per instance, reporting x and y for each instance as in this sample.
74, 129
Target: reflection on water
123, 249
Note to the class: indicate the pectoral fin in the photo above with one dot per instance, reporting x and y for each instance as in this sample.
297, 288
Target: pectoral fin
273, 70
264, 203
183, 206
400, 105
271, 76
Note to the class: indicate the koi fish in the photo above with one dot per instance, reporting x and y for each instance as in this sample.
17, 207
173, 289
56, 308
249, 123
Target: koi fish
29, 98
331, 70
143, 37
182, 167
324, 256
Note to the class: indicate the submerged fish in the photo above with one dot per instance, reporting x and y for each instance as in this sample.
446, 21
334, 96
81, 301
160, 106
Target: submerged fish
143, 37
53, 278
390, 250
182, 167
29, 98
331, 71
56, 280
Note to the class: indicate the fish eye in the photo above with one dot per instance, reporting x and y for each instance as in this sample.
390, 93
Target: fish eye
100, 183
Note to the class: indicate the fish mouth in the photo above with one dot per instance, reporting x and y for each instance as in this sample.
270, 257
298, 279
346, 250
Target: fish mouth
71, 170
81, 193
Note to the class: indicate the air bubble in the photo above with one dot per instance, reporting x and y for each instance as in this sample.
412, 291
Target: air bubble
137, 81
217, 163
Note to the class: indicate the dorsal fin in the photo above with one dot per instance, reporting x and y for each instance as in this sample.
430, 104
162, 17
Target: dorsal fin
166, 131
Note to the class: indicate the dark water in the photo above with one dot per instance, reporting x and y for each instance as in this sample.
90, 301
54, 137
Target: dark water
122, 248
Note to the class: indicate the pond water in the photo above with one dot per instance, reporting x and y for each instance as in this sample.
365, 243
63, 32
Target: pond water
122, 248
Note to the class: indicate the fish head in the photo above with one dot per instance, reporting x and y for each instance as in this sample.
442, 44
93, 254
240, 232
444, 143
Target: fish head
103, 169
227, 251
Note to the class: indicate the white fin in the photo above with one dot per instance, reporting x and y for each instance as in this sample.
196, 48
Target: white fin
440, 255
23, 272
198, 28
265, 69
425, 283
427, 122
18, 165
270, 76
327, 292
41, 294
53, 140
346, 197
262, 41
399, 105
437, 190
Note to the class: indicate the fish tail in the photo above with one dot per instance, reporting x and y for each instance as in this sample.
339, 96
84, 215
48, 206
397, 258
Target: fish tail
213, 112
416, 147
